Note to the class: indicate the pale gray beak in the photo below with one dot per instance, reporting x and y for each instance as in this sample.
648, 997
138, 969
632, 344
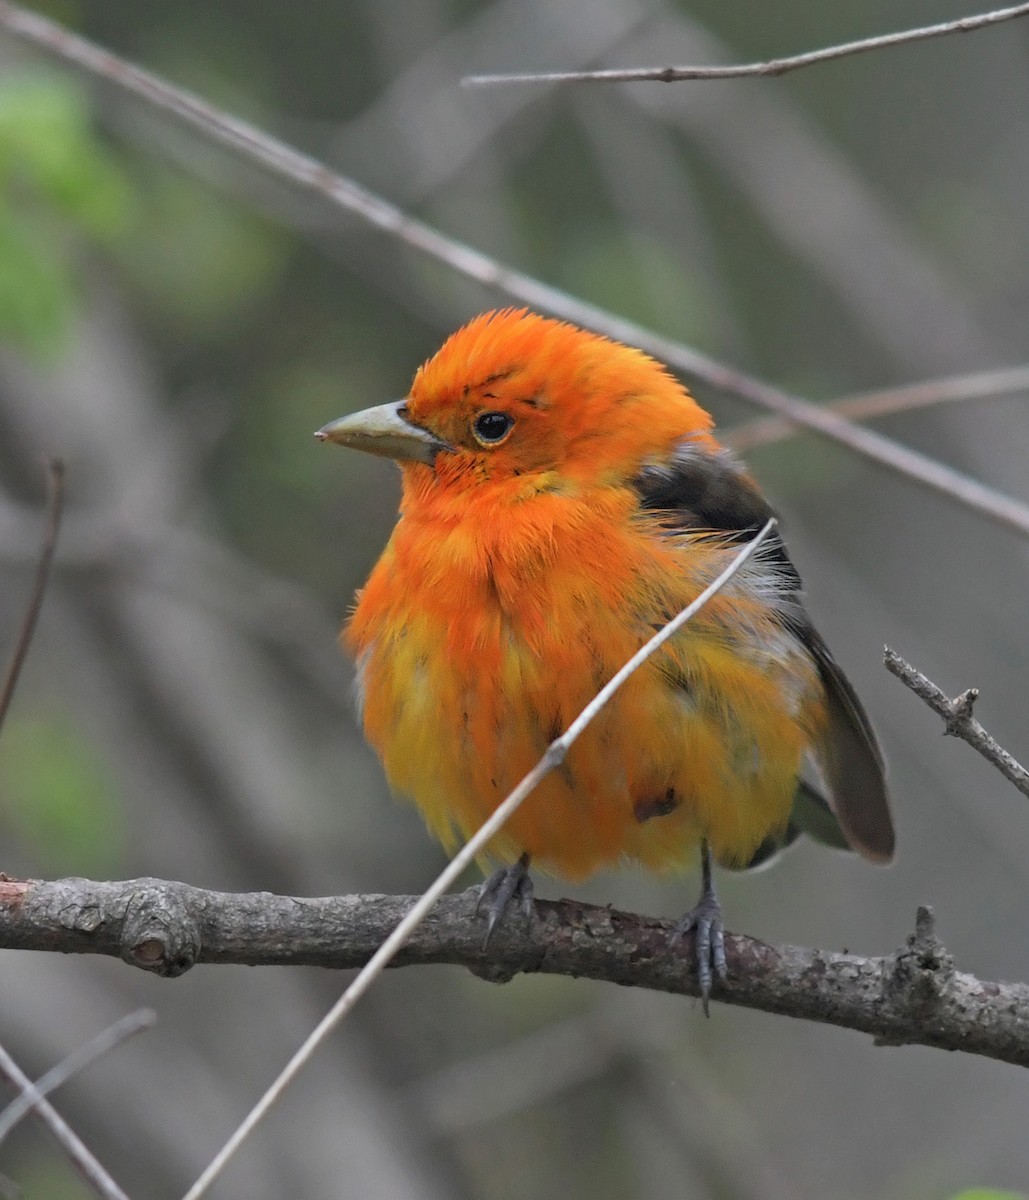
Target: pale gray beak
384, 430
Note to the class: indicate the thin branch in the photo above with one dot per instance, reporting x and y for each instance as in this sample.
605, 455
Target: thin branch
55, 504
79, 1059
897, 289
957, 714
773, 66
71, 1143
553, 758
309, 174
883, 402
911, 997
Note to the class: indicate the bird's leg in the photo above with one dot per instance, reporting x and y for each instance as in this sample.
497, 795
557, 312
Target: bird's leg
709, 938
505, 885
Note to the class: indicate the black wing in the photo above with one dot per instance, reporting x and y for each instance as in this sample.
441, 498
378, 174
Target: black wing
700, 488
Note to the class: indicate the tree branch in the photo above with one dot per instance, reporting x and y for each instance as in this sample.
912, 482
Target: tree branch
55, 506
771, 67
77, 1151
78, 1060
308, 174
957, 714
418, 912
913, 996
884, 402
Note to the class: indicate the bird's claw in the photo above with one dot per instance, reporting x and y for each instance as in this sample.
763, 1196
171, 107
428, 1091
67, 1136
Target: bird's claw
709, 943
504, 886
705, 920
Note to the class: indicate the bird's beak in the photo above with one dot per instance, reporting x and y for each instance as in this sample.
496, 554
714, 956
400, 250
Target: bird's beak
384, 430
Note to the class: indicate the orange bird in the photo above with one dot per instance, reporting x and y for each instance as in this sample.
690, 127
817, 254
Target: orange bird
563, 497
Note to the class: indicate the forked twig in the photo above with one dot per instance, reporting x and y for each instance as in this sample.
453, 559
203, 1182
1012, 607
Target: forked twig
957, 714
69, 1066
770, 67
55, 506
554, 756
88, 1166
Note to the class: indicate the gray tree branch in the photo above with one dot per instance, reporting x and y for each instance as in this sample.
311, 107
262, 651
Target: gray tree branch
958, 719
81, 1156
913, 996
306, 174
769, 68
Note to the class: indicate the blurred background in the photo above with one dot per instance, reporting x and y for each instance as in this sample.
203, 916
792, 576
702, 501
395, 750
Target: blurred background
176, 324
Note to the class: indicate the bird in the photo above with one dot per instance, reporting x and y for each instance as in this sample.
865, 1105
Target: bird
563, 497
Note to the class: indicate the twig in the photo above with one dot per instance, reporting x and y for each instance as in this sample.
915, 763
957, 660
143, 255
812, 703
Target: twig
910, 997
55, 504
773, 66
309, 174
73, 1146
554, 756
887, 401
80, 1058
957, 714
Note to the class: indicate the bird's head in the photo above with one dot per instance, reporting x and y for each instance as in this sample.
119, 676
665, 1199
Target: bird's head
514, 394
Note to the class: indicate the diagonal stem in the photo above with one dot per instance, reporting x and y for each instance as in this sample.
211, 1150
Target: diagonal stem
55, 468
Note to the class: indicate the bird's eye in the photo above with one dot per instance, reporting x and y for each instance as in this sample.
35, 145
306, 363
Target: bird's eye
492, 427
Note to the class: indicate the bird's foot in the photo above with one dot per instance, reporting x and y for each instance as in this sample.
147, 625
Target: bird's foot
507, 886
705, 920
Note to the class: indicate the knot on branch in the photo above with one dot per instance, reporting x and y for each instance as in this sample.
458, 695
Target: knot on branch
957, 723
921, 971
494, 972
160, 933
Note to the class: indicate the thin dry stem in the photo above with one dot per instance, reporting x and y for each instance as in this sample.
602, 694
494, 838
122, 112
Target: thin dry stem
55, 505
307, 173
83, 1159
957, 714
773, 66
80, 1058
885, 402
554, 756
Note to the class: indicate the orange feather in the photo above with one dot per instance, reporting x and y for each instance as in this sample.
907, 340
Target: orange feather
533, 556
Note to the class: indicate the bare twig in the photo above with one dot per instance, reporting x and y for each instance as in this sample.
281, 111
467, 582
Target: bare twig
183, 562
896, 289
55, 477
773, 66
308, 173
887, 401
554, 756
957, 714
911, 997
80, 1058
72, 1144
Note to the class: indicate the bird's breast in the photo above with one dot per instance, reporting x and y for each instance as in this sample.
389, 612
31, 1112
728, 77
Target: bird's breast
477, 646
